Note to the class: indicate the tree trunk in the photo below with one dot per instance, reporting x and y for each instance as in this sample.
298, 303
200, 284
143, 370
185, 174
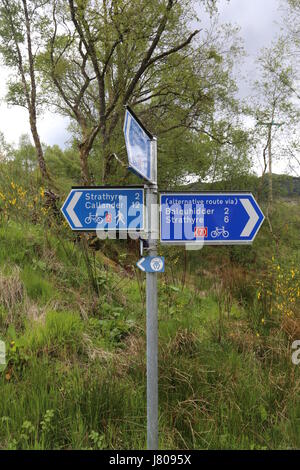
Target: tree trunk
85, 173
105, 155
39, 149
270, 198
32, 99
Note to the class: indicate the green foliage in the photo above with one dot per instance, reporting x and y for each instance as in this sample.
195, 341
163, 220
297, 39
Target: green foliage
15, 94
72, 312
61, 331
97, 440
64, 165
37, 288
77, 378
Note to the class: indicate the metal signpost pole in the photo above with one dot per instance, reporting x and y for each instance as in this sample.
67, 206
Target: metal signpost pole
152, 309
141, 147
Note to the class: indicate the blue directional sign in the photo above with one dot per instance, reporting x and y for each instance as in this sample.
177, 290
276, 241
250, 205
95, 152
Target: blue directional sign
138, 145
90, 209
209, 218
152, 264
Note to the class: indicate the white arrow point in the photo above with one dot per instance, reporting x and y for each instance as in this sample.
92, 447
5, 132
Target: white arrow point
71, 207
139, 264
253, 217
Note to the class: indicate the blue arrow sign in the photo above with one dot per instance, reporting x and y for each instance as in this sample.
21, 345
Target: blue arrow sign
152, 264
208, 218
90, 209
138, 145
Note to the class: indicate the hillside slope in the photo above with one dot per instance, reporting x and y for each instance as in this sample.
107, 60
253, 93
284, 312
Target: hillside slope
73, 319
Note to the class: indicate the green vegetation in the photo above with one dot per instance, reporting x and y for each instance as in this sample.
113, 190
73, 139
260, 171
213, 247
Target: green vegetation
284, 186
76, 373
72, 307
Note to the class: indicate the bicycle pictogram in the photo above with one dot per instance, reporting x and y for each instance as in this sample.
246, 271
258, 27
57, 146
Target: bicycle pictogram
93, 218
220, 231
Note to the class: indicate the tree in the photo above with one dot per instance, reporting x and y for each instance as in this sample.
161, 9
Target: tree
199, 123
98, 57
25, 155
63, 166
5, 149
18, 47
291, 25
286, 72
274, 108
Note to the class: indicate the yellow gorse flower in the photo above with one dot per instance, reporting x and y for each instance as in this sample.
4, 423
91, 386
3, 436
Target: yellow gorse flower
279, 290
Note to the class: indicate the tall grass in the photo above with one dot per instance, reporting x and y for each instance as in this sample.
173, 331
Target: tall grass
76, 370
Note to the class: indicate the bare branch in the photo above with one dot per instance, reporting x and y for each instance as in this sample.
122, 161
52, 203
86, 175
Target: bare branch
148, 55
174, 49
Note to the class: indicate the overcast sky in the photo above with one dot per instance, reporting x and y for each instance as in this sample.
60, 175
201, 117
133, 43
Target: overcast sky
259, 24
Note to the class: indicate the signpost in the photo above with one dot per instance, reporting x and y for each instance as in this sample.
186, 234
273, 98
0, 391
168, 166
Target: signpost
209, 218
200, 218
142, 156
152, 264
138, 142
91, 209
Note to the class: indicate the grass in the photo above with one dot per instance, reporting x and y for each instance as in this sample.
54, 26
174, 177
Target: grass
210, 397
37, 288
60, 332
76, 365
